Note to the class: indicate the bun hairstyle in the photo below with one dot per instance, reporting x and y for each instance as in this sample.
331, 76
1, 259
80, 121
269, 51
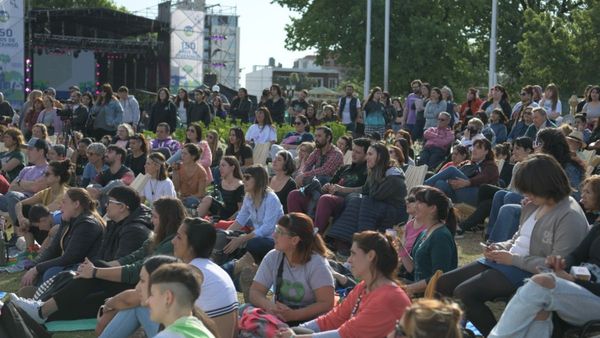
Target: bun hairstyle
386, 256
433, 318
63, 169
445, 210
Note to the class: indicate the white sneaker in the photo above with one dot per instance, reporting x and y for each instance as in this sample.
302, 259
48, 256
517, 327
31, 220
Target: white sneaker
30, 306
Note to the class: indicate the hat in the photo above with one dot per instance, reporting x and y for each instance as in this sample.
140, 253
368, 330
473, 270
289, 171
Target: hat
74, 87
50, 90
38, 144
216, 88
577, 136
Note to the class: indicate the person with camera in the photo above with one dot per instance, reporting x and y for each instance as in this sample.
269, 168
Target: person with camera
472, 132
108, 113
76, 112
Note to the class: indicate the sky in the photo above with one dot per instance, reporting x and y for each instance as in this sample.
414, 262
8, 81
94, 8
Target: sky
262, 31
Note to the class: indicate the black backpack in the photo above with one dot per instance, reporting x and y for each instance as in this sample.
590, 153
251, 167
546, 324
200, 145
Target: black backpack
16, 323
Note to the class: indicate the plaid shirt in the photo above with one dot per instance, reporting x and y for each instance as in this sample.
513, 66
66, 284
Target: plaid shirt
326, 164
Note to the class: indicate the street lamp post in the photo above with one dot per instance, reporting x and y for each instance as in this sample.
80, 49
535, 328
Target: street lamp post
368, 52
492, 69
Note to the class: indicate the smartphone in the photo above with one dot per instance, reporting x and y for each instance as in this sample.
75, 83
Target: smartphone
485, 245
543, 269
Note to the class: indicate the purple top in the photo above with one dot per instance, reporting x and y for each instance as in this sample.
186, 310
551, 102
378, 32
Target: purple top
411, 117
170, 143
32, 173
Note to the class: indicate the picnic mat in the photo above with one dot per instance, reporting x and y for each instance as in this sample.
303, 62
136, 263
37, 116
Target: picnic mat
71, 325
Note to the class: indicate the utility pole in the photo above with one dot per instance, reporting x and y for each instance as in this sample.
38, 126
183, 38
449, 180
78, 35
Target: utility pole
492, 69
368, 52
386, 48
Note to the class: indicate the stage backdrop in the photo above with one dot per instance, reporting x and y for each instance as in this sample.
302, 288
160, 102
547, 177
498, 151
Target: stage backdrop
187, 49
61, 71
12, 51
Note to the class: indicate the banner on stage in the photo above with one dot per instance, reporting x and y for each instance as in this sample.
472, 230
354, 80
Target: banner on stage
187, 49
12, 51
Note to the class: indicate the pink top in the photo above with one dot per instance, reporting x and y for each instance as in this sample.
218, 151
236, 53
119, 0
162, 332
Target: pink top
438, 137
206, 160
410, 236
375, 316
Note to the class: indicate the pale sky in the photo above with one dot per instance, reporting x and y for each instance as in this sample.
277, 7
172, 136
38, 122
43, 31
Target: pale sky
262, 31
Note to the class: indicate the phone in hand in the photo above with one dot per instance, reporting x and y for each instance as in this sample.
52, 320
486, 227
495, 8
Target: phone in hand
543, 269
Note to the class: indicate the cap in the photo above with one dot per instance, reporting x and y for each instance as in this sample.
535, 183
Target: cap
74, 87
38, 144
216, 88
50, 90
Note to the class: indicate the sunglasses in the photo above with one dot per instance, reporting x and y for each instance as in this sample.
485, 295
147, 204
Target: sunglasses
115, 202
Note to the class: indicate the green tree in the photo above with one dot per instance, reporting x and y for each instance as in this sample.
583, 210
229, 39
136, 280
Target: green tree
57, 4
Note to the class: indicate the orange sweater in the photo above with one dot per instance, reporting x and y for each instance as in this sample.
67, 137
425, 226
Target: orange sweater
376, 315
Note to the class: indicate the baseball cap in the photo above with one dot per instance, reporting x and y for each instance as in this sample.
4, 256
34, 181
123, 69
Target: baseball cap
216, 88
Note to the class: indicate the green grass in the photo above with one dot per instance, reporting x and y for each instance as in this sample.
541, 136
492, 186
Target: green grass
468, 251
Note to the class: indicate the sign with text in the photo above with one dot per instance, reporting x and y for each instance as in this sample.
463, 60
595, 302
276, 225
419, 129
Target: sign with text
12, 51
187, 49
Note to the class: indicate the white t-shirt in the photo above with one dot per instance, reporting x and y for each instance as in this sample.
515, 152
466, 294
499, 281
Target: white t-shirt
299, 282
258, 135
521, 246
182, 112
346, 118
217, 293
156, 189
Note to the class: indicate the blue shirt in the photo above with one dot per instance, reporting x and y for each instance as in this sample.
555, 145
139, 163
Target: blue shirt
89, 173
264, 218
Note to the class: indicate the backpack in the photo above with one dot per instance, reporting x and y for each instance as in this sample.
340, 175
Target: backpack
15, 323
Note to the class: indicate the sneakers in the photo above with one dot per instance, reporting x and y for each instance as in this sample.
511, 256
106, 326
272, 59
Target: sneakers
29, 306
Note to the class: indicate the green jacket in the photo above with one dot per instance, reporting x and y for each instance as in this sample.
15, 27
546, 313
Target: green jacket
132, 263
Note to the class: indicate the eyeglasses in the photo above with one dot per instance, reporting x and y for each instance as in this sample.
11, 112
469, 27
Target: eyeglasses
280, 231
115, 202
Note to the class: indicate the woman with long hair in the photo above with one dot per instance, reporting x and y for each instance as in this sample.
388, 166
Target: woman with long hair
411, 231
434, 107
13, 159
576, 301
228, 195
238, 148
82, 297
552, 223
344, 143
462, 183
193, 134
37, 105
551, 102
108, 112
173, 290
499, 99
28, 108
592, 108
292, 140
57, 176
434, 248
374, 112
498, 125
282, 182
299, 259
262, 131
182, 102
261, 209
159, 185
49, 117
519, 127
218, 108
136, 158
373, 306
124, 133
458, 155
79, 236
189, 177
381, 203
276, 104
164, 110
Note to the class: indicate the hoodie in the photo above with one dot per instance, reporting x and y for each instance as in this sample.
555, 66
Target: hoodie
391, 189
122, 238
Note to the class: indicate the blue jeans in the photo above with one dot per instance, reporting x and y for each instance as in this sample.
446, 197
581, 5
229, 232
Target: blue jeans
501, 197
507, 223
573, 303
258, 247
466, 195
127, 321
191, 202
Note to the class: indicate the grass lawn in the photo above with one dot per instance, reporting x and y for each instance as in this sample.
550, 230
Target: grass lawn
468, 250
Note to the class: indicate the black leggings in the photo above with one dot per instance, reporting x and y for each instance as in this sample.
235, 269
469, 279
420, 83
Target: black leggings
82, 298
473, 285
485, 197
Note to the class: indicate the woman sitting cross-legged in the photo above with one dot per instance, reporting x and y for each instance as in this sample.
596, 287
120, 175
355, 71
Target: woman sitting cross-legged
552, 224
434, 249
226, 199
189, 177
173, 289
81, 297
461, 184
193, 244
574, 300
381, 204
297, 270
372, 307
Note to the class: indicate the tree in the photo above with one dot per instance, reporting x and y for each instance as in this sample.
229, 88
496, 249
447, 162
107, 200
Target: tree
58, 4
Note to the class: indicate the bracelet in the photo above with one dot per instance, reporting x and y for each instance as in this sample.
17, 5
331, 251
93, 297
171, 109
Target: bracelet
94, 272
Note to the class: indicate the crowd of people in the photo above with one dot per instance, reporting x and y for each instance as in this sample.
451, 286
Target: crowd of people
324, 236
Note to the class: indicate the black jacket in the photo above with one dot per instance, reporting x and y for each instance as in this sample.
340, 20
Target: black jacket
240, 108
75, 240
163, 112
121, 239
199, 111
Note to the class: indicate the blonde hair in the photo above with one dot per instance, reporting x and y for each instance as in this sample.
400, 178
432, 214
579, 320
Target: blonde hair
432, 318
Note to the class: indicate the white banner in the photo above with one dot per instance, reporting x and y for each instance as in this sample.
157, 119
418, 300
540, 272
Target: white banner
12, 51
187, 49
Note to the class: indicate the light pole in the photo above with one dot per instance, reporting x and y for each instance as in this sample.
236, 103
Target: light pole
368, 52
386, 47
492, 69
